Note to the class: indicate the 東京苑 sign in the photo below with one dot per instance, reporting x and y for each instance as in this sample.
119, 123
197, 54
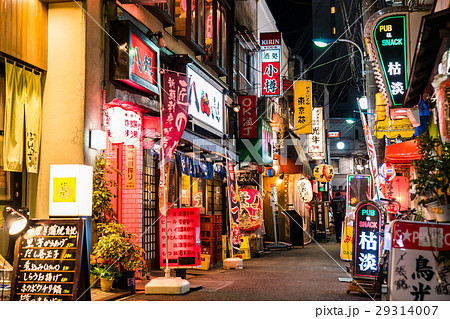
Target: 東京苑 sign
418, 269
303, 107
271, 63
366, 240
183, 237
390, 40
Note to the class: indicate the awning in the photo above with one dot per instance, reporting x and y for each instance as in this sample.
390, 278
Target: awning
402, 153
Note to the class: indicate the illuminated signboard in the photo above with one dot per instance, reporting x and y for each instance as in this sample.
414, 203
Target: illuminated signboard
303, 107
390, 40
358, 189
248, 120
134, 58
183, 236
417, 267
271, 64
316, 147
205, 99
333, 134
366, 240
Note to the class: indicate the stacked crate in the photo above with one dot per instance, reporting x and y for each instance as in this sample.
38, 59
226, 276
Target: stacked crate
211, 237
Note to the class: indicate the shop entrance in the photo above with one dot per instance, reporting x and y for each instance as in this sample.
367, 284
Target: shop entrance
150, 210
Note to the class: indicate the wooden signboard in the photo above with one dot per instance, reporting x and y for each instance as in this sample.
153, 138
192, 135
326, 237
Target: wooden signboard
49, 260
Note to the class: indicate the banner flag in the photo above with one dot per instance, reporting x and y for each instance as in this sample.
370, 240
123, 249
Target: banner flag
234, 206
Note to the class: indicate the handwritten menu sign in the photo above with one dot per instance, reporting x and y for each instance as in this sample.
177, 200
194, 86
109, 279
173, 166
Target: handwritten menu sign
47, 261
183, 233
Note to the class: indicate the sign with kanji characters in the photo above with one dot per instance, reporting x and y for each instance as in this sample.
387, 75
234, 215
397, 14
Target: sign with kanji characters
205, 99
234, 206
390, 39
248, 119
316, 140
183, 238
366, 240
50, 262
129, 173
122, 125
303, 107
347, 239
418, 266
271, 64
134, 58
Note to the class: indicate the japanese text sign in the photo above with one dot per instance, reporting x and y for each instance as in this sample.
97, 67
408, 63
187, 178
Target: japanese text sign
175, 111
316, 138
205, 99
390, 40
248, 126
47, 262
122, 125
144, 58
271, 64
417, 268
303, 107
366, 240
234, 206
183, 234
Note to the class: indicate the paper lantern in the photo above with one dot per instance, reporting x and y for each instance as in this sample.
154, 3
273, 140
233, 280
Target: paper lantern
123, 126
323, 173
270, 172
260, 169
305, 190
387, 171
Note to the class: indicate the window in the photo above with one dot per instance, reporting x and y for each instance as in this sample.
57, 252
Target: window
164, 12
243, 64
335, 164
190, 23
215, 196
216, 37
333, 10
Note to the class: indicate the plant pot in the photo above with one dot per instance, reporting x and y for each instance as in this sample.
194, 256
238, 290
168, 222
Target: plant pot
442, 213
127, 281
93, 281
106, 284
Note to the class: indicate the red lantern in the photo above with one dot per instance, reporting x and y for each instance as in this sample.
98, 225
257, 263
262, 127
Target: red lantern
260, 169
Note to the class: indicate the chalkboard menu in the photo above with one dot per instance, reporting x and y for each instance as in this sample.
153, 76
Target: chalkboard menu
47, 262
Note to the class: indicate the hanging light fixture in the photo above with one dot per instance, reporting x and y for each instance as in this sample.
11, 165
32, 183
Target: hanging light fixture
15, 221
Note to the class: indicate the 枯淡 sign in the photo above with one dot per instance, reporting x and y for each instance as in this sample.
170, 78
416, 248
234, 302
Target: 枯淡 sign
390, 39
366, 240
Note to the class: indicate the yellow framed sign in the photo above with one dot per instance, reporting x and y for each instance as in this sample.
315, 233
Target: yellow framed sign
303, 107
347, 239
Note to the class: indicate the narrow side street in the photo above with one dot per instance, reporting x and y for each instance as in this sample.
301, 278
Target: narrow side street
295, 275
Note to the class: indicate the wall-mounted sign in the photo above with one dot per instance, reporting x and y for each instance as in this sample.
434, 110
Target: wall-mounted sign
205, 99
259, 150
183, 231
418, 269
390, 39
70, 190
129, 173
248, 119
303, 107
366, 241
316, 140
333, 134
271, 64
134, 58
387, 171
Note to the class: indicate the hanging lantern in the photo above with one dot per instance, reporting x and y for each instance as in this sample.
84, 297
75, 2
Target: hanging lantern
123, 126
260, 169
305, 190
323, 173
270, 172
387, 171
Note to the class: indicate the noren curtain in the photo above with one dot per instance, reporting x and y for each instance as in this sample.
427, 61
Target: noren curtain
22, 118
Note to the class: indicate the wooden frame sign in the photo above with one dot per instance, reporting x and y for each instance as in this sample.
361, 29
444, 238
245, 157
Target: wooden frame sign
48, 262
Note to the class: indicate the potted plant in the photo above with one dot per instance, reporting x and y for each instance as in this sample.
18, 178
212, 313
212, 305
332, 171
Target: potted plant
433, 175
119, 245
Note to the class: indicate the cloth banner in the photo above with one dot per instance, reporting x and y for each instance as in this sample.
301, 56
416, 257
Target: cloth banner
22, 116
251, 214
234, 206
194, 167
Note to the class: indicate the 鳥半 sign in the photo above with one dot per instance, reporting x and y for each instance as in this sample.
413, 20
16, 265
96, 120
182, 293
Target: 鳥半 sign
271, 64
366, 240
418, 269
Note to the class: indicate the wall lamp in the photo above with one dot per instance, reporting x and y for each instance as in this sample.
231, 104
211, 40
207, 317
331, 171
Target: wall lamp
159, 36
235, 106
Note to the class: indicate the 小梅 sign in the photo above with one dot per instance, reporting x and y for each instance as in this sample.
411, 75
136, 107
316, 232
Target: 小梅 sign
135, 60
271, 64
366, 240
390, 39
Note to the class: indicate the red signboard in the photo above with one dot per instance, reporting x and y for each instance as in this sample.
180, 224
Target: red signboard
183, 234
271, 64
248, 127
422, 236
333, 134
144, 60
